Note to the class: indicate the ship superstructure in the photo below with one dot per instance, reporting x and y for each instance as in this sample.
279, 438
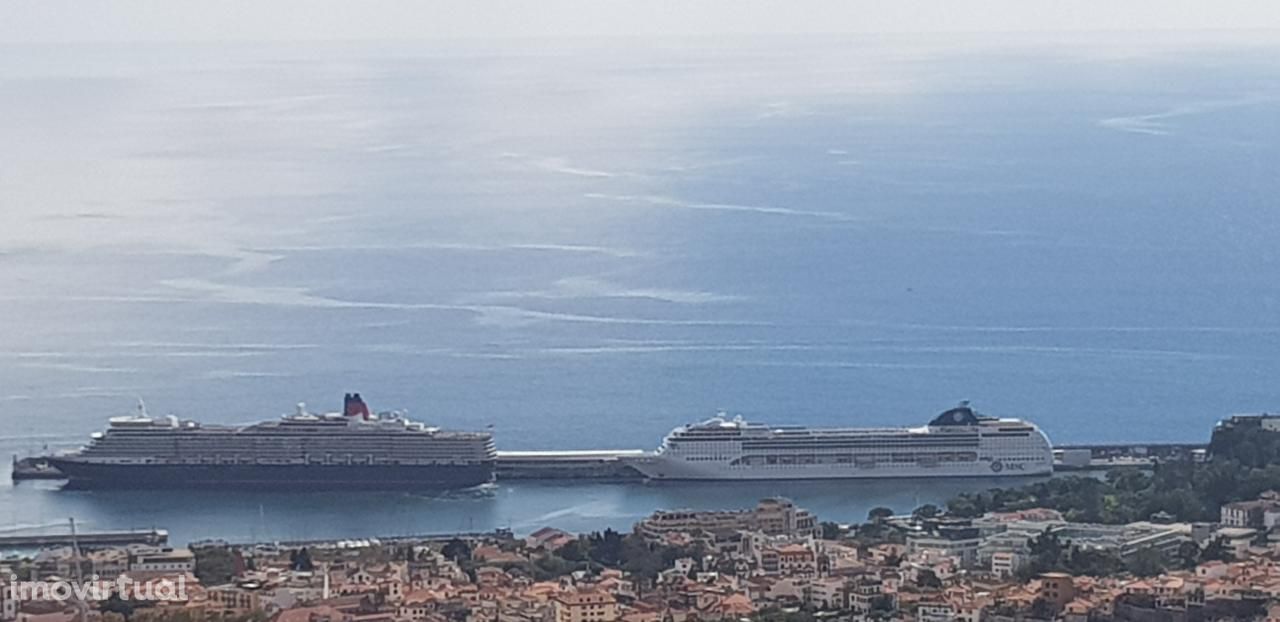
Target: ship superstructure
351, 449
956, 443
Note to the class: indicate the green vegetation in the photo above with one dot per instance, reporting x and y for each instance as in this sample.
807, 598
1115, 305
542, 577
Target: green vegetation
215, 565
926, 511
928, 579
776, 614
831, 531
631, 553
879, 514
115, 604
1245, 463
877, 529
300, 560
178, 614
456, 550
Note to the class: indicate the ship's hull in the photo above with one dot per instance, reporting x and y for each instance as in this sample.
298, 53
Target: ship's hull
93, 475
663, 468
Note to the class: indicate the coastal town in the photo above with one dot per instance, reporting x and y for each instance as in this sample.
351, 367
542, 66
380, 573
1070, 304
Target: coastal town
636, 311
1195, 537
775, 562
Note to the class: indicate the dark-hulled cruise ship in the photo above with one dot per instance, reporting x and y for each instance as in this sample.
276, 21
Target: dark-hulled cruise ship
351, 449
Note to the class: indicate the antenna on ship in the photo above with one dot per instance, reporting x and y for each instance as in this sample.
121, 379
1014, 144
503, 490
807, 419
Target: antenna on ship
142, 407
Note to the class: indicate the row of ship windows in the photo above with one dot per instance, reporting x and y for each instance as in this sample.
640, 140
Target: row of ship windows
241, 437
293, 454
827, 445
250, 445
255, 444
836, 437
787, 460
327, 460
793, 460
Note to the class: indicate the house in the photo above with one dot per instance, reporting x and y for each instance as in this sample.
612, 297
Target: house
8, 601
323, 613
827, 593
549, 538
161, 561
1057, 589
1250, 514
1005, 564
796, 560
934, 611
947, 540
584, 606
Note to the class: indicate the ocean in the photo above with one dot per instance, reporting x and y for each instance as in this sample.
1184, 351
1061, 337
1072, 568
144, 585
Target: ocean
584, 243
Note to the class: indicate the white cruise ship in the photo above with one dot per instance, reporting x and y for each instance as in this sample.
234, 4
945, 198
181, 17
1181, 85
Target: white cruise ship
957, 443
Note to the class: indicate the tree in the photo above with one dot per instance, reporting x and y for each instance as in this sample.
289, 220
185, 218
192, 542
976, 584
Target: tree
643, 560
1146, 562
115, 604
774, 614
215, 565
831, 531
879, 514
1042, 609
1046, 553
1216, 550
1188, 555
300, 560
926, 511
574, 551
967, 506
1093, 562
551, 566
605, 548
928, 579
457, 550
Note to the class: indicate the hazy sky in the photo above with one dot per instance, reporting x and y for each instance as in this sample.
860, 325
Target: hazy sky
160, 20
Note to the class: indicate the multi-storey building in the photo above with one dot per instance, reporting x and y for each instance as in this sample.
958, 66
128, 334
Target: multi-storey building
772, 516
584, 606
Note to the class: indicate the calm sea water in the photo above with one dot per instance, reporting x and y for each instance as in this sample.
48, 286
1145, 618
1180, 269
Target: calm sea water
584, 244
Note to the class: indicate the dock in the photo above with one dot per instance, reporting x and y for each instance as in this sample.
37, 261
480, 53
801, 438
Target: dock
1105, 456
87, 540
596, 464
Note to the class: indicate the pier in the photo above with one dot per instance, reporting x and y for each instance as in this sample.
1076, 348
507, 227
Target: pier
597, 464
594, 464
1099, 456
87, 540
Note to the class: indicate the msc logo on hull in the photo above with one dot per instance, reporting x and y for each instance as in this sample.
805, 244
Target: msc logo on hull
997, 466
